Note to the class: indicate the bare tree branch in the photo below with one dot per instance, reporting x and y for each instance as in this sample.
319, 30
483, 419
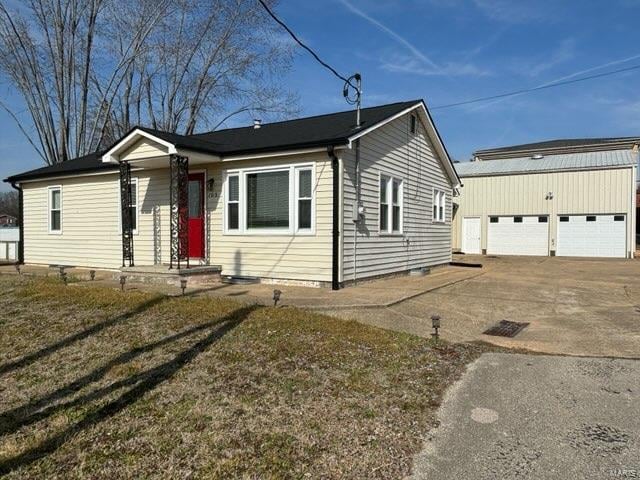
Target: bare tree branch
86, 70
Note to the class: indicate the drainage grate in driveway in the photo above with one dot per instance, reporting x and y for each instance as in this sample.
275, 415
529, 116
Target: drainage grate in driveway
506, 328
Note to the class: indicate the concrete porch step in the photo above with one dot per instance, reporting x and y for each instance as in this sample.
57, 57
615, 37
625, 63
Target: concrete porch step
162, 275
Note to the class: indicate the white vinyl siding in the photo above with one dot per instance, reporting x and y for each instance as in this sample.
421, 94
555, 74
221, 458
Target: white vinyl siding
299, 254
394, 152
91, 235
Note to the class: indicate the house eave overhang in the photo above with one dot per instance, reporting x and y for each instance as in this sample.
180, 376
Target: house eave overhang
432, 132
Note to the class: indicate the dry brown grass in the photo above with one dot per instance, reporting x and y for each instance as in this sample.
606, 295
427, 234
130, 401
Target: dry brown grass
99, 384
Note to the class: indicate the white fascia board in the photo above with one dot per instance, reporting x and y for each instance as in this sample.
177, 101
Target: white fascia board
112, 155
425, 118
282, 153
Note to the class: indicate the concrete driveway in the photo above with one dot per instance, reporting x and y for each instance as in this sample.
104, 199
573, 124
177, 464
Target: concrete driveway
532, 416
574, 306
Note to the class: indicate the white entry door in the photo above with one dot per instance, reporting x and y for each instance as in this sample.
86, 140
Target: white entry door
518, 235
471, 235
592, 236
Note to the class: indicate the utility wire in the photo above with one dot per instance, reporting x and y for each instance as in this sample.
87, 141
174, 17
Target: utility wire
534, 89
299, 42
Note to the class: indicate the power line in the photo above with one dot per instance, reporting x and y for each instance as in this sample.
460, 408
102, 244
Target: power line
534, 89
299, 42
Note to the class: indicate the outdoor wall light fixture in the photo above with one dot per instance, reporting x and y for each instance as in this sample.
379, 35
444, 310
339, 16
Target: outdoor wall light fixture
276, 297
210, 184
92, 275
435, 324
123, 280
183, 285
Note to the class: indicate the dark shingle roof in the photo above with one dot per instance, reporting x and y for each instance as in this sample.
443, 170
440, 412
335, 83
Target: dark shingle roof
87, 163
317, 131
559, 143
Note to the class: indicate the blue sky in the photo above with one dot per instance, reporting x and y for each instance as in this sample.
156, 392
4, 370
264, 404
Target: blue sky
452, 50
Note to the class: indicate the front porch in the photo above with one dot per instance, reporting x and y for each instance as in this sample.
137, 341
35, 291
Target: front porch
165, 275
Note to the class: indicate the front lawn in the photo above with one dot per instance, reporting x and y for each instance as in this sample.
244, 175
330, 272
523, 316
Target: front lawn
95, 383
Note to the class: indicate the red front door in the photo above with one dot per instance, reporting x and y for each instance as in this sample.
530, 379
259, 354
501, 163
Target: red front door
196, 215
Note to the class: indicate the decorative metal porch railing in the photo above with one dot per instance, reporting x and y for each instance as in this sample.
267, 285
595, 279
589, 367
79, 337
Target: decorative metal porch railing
125, 209
179, 202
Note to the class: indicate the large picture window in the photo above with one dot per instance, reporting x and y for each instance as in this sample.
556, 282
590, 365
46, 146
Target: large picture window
55, 210
390, 209
268, 200
277, 200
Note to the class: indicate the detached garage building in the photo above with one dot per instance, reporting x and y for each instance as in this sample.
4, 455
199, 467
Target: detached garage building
571, 198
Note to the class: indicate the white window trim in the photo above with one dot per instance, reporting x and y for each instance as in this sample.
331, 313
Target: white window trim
137, 205
297, 197
225, 214
292, 168
50, 189
389, 202
436, 196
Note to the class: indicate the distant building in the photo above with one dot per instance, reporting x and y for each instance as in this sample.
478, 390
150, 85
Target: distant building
7, 220
570, 198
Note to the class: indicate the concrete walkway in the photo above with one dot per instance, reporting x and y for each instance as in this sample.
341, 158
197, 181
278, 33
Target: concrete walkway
365, 295
522, 416
574, 306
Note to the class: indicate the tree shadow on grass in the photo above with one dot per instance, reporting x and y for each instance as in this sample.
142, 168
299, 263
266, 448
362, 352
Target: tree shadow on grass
76, 337
94, 329
143, 383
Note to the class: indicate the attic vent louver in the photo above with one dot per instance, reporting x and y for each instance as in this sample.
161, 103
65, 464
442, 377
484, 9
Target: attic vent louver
538, 156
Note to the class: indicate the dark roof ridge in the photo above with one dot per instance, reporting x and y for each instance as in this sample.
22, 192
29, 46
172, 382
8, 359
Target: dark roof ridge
408, 102
557, 143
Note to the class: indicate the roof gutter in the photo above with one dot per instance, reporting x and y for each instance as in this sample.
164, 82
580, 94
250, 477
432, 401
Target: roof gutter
335, 244
20, 223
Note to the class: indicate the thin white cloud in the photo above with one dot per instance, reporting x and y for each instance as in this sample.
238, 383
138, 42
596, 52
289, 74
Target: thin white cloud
481, 106
564, 52
397, 37
593, 69
510, 11
409, 65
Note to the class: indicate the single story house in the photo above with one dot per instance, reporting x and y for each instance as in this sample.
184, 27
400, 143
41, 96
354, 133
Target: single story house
317, 200
7, 220
562, 197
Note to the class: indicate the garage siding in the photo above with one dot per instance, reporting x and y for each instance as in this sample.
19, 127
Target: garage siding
391, 150
607, 191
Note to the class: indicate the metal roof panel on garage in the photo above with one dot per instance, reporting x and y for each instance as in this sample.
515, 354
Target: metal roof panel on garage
549, 163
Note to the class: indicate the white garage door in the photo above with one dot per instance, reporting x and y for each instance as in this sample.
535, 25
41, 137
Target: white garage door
592, 236
518, 235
